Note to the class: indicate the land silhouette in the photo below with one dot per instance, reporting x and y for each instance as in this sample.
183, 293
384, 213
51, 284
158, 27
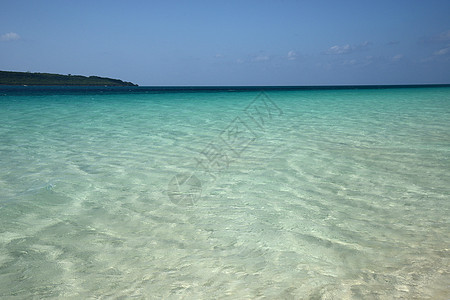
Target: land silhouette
27, 78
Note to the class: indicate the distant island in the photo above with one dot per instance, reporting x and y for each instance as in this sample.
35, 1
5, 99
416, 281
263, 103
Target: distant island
27, 78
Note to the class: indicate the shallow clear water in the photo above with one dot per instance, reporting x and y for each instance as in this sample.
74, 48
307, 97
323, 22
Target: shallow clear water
314, 194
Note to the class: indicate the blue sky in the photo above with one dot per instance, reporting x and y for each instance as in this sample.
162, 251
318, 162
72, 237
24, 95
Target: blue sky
231, 42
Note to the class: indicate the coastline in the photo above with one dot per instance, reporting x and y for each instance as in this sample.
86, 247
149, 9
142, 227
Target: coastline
11, 78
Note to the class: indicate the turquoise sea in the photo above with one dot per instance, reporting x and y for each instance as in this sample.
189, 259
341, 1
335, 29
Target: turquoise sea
225, 193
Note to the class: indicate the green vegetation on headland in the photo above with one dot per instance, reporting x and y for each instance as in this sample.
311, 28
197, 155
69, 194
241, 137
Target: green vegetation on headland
27, 78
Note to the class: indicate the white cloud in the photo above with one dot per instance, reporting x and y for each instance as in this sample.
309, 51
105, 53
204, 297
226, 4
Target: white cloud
10, 36
439, 55
442, 51
350, 62
360, 63
261, 58
326, 66
254, 58
397, 57
339, 49
347, 48
291, 55
443, 37
363, 45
